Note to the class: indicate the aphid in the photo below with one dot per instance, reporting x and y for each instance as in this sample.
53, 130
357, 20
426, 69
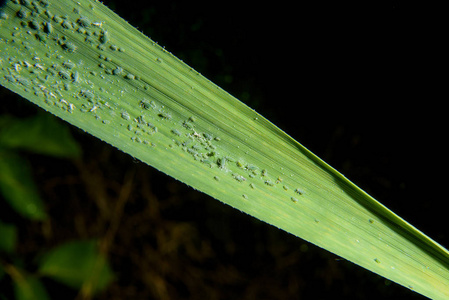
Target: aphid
71, 107
40, 37
52, 95
130, 76
165, 115
141, 120
23, 81
207, 136
192, 151
68, 64
70, 47
264, 172
84, 22
75, 76
154, 128
48, 28
251, 185
64, 75
298, 191
66, 24
10, 78
117, 71
104, 37
22, 13
216, 178
38, 66
98, 24
371, 221
93, 108
377, 260
269, 182
221, 162
245, 196
145, 104
125, 115
17, 67
251, 168
87, 94
238, 177
34, 24
48, 13
57, 19
26, 64
239, 164
294, 200
176, 132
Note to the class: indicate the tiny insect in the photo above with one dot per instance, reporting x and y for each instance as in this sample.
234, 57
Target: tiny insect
26, 64
84, 22
69, 47
38, 66
176, 132
269, 182
98, 24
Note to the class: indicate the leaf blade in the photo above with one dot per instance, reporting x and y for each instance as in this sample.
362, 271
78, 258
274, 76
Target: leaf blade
161, 111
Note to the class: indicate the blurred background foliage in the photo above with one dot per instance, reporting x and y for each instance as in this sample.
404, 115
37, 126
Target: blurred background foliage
354, 84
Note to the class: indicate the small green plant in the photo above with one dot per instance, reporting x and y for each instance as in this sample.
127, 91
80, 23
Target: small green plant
77, 264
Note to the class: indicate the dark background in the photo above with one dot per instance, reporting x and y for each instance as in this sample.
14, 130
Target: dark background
356, 84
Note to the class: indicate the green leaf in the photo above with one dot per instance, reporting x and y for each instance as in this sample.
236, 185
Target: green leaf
18, 188
94, 70
42, 134
8, 237
77, 264
28, 287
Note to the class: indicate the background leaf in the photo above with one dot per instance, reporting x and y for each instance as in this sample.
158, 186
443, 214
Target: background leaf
8, 237
42, 134
18, 188
77, 264
28, 287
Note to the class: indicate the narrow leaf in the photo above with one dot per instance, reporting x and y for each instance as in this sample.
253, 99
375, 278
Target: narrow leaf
81, 62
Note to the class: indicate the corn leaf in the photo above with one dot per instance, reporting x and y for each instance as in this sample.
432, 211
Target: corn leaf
81, 62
